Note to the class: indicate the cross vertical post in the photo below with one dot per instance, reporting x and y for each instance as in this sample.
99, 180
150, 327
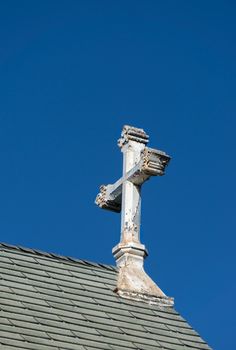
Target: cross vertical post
132, 143
131, 195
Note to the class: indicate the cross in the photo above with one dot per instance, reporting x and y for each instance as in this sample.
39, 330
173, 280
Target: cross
139, 164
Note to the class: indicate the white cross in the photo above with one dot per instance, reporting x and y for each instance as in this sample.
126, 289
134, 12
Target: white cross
139, 164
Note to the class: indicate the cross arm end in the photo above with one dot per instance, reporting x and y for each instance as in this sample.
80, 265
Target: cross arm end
104, 201
154, 161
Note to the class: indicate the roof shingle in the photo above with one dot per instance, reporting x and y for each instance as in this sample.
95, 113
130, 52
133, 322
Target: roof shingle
51, 302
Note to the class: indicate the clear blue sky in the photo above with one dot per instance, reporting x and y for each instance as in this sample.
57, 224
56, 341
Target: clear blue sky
71, 74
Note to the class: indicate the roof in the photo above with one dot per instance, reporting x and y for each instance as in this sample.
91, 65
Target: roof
50, 302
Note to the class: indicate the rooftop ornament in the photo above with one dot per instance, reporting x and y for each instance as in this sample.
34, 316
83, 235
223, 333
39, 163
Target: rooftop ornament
139, 164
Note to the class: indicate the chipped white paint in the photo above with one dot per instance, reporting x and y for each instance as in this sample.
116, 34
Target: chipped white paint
139, 164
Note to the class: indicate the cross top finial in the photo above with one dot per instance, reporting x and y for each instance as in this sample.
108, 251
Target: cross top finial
139, 164
130, 133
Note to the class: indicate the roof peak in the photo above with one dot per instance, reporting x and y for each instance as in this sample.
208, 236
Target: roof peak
37, 252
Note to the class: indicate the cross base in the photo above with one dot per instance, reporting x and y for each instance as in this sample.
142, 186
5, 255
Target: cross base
132, 277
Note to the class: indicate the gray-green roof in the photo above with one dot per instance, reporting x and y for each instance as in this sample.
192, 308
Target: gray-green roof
50, 302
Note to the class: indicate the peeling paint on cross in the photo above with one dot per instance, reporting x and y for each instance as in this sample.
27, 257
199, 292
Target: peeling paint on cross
139, 164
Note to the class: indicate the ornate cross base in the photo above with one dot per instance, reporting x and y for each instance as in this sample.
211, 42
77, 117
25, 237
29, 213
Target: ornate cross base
133, 282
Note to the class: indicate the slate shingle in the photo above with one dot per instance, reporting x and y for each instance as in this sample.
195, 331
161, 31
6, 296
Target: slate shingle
51, 302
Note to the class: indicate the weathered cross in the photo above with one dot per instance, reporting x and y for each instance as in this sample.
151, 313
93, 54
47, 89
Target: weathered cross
139, 164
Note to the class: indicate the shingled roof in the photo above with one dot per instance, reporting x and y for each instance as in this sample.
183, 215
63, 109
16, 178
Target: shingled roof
50, 302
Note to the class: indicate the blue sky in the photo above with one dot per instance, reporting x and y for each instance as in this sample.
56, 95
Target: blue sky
72, 73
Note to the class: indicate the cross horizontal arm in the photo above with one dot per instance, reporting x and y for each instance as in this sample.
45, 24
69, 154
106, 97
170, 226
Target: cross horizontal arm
152, 163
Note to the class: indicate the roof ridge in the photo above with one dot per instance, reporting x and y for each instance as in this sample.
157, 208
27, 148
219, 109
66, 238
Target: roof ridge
55, 256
